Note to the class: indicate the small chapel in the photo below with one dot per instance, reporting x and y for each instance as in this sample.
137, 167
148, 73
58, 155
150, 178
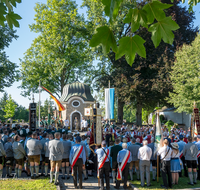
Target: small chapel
75, 98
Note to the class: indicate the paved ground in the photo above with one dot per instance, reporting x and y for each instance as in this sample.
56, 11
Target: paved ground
91, 183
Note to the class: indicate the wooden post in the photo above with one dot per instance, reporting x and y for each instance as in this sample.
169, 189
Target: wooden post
157, 169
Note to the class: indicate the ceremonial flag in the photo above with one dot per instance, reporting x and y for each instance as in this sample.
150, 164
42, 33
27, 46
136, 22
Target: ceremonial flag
109, 102
92, 135
196, 122
60, 106
158, 135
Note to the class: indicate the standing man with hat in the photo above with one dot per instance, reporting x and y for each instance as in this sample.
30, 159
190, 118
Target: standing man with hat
134, 148
165, 155
190, 152
124, 157
113, 154
34, 148
2, 153
56, 150
77, 160
181, 145
103, 155
198, 156
144, 155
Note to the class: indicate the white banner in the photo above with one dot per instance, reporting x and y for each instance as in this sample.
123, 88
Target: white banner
107, 103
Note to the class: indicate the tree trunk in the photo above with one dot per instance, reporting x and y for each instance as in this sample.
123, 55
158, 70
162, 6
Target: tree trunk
120, 111
139, 113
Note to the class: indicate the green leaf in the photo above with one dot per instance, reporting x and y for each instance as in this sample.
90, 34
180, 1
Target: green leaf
112, 8
12, 19
129, 46
155, 10
105, 37
163, 30
136, 17
13, 2
2, 8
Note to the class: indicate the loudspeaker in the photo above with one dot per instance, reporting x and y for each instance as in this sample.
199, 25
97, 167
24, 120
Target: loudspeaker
32, 116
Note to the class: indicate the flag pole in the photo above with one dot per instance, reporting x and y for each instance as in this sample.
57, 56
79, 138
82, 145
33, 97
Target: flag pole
109, 89
39, 104
157, 169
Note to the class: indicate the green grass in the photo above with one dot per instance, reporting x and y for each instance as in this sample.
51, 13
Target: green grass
182, 184
12, 184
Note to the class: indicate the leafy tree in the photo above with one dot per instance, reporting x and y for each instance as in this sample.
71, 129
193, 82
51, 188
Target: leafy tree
21, 113
2, 104
44, 109
7, 14
150, 15
60, 51
129, 114
9, 107
185, 77
147, 81
8, 71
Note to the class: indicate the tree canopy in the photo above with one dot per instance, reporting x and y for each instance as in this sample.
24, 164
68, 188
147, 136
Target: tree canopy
7, 14
9, 107
185, 77
60, 53
8, 72
147, 81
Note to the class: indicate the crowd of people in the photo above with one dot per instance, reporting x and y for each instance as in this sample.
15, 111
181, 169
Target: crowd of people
125, 151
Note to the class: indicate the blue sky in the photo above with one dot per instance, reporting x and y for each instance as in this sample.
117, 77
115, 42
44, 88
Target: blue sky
18, 47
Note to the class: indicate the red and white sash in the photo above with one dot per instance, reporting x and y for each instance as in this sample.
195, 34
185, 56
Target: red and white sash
181, 154
123, 165
103, 160
198, 154
76, 156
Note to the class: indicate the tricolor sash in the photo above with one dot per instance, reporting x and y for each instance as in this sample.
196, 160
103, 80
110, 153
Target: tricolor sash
181, 154
123, 165
198, 154
76, 156
103, 160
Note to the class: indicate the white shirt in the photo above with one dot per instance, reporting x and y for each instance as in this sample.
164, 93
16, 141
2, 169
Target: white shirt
66, 122
144, 153
163, 151
85, 124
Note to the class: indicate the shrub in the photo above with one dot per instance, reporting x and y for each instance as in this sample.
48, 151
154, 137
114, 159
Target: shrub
162, 118
169, 124
153, 119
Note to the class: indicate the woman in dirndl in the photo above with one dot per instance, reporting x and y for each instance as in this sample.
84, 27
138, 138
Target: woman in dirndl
175, 163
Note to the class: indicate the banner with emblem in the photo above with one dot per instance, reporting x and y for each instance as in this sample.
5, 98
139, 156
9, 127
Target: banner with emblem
196, 122
109, 103
158, 135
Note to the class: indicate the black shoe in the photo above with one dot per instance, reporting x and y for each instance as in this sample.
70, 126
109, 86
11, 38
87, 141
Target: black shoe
50, 181
142, 185
56, 183
149, 185
10, 175
41, 174
116, 187
90, 175
153, 179
63, 177
85, 178
68, 177
195, 182
163, 186
190, 184
138, 179
32, 177
28, 174
76, 187
36, 177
